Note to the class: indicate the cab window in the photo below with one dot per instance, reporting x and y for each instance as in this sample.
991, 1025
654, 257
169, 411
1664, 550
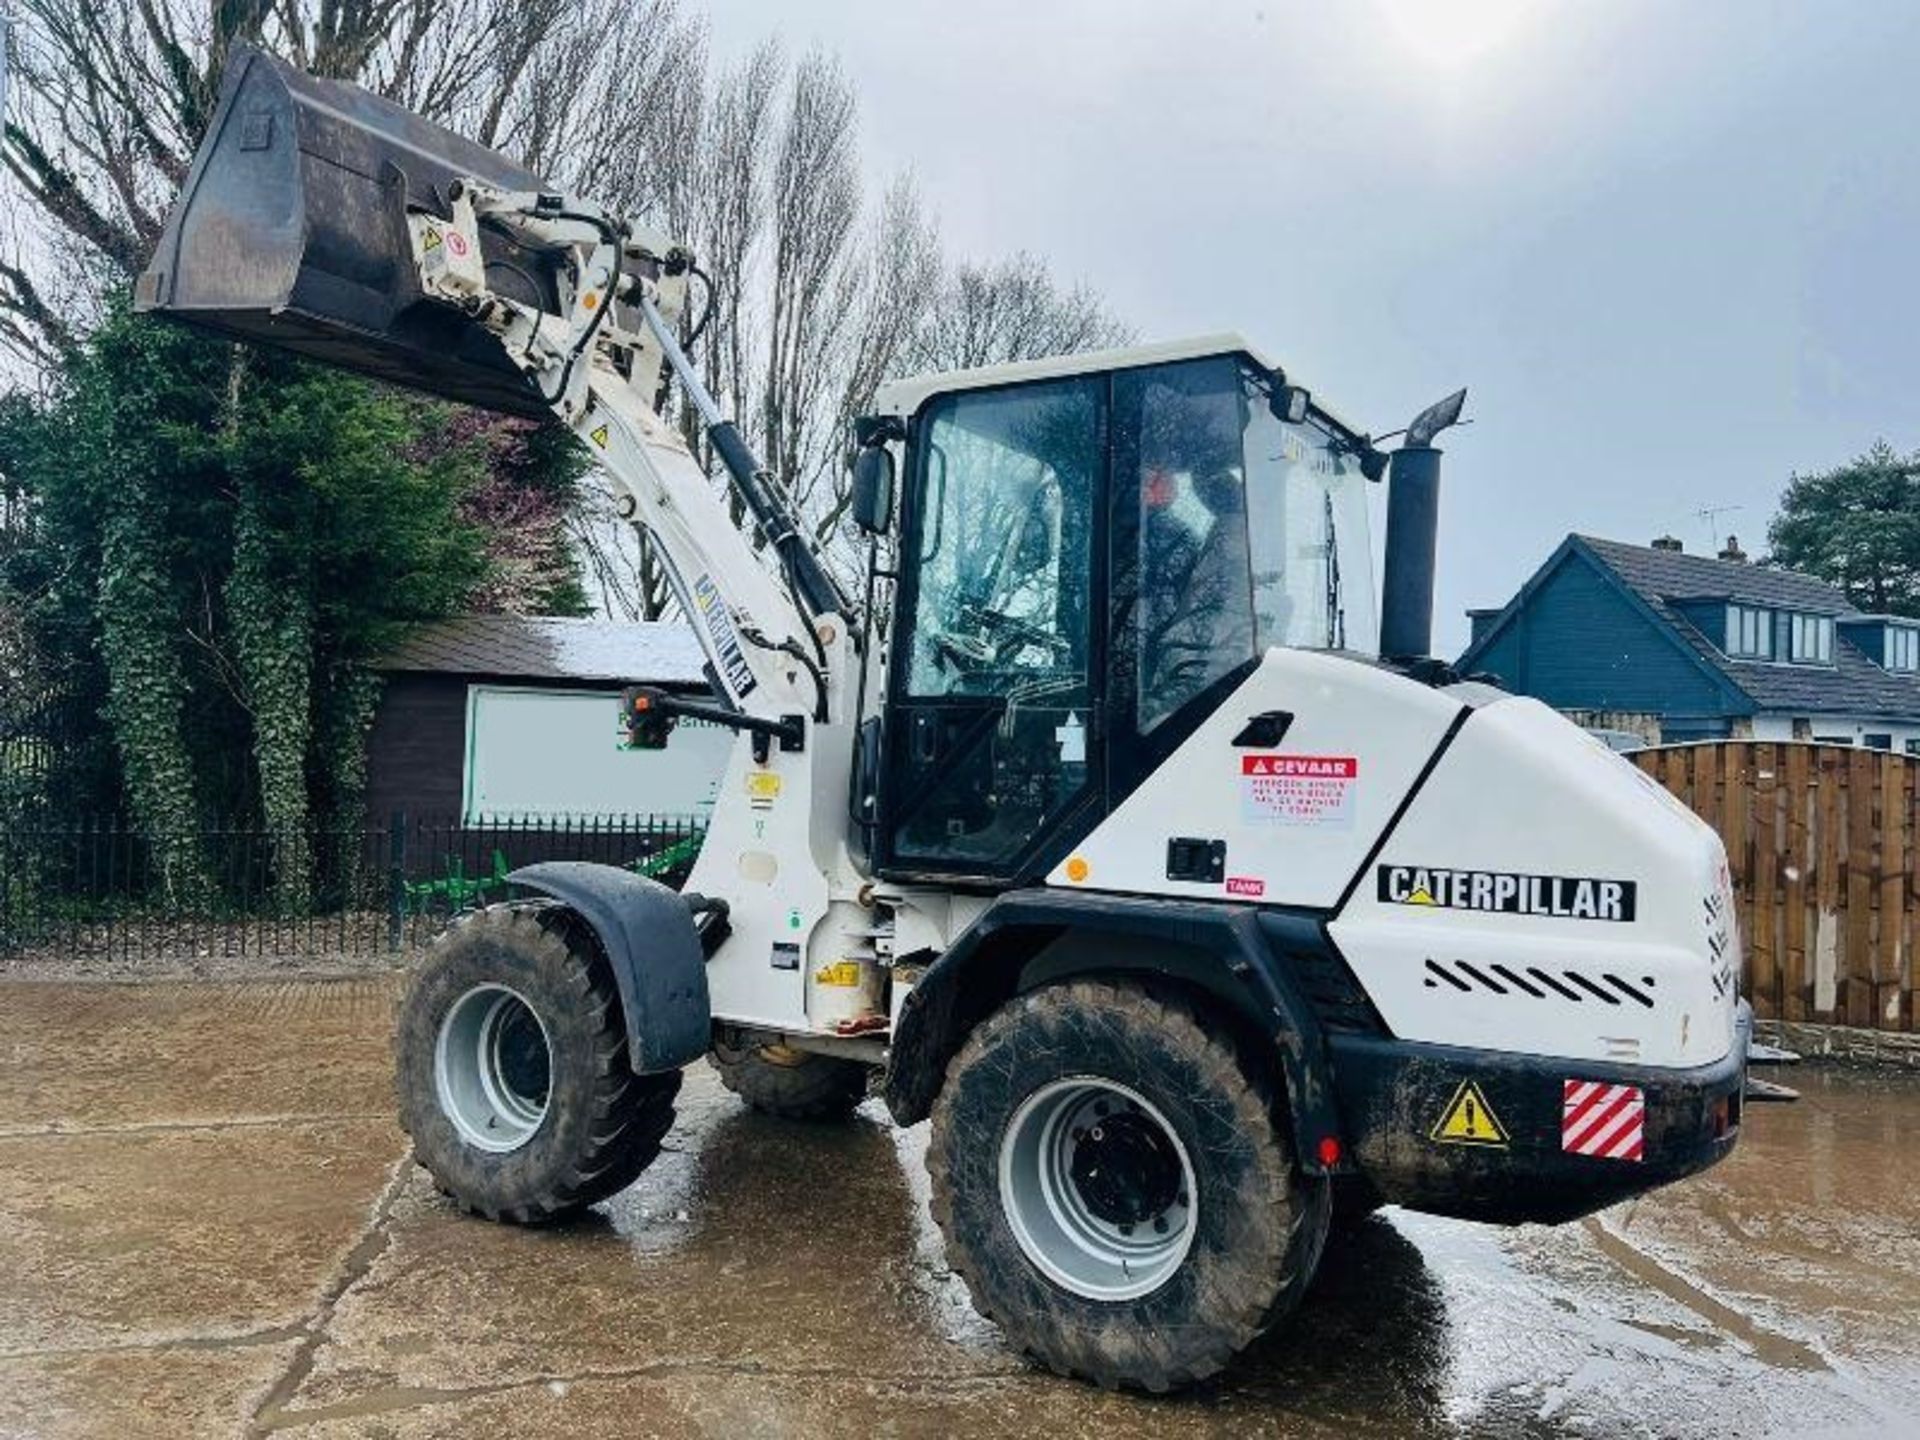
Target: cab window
1179, 435
1004, 542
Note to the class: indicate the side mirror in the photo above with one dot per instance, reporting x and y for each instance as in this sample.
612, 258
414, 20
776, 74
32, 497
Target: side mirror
872, 502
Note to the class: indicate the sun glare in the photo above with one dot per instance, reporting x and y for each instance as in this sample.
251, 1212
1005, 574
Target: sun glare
1454, 32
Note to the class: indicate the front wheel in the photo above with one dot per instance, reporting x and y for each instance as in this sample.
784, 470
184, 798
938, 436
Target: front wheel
512, 1072
1116, 1189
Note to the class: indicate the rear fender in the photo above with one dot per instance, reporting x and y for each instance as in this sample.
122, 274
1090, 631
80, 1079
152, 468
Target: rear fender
1032, 938
648, 935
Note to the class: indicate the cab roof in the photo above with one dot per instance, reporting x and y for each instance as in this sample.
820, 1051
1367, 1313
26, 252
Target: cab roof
905, 396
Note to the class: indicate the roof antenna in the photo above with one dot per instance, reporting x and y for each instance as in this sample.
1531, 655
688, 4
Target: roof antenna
1710, 517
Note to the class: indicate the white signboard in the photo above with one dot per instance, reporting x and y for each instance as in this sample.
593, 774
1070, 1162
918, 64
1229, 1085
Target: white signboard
553, 754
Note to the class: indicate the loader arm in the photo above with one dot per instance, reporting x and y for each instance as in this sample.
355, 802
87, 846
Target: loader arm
328, 221
756, 609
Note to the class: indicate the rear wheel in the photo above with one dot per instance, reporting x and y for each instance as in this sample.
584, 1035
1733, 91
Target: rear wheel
1115, 1186
793, 1083
512, 1071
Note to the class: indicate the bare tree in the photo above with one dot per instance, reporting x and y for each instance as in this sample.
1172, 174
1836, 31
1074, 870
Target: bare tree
1013, 310
735, 154
811, 300
816, 201
885, 296
113, 96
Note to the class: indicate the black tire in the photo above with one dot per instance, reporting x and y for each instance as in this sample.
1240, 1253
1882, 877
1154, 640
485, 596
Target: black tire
795, 1084
1258, 1227
602, 1124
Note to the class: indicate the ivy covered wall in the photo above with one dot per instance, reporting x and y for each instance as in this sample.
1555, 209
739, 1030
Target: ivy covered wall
221, 541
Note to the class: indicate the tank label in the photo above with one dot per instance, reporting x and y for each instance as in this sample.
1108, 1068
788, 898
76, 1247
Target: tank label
1311, 790
1499, 892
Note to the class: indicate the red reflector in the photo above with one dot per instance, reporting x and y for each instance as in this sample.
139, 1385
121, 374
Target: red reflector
1329, 1151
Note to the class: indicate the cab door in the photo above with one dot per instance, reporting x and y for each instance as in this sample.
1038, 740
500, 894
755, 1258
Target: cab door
993, 756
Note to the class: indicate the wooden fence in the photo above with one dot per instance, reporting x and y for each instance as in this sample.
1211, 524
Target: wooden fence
1825, 853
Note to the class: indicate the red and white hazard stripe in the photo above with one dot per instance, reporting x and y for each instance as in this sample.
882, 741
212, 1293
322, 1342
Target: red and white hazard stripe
1607, 1121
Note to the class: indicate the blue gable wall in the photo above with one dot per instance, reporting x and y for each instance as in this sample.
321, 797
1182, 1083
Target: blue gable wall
1869, 637
1578, 641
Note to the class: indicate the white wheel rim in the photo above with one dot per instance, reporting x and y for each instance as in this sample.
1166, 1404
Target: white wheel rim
492, 1068
1098, 1189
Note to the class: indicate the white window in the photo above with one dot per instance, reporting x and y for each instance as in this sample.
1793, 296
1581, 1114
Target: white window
1749, 632
1903, 648
1811, 640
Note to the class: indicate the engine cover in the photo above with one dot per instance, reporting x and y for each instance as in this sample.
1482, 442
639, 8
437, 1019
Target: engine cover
1542, 894
1493, 877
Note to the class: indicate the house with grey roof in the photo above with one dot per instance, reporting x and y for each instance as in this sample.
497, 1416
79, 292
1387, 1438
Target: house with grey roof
494, 718
1669, 646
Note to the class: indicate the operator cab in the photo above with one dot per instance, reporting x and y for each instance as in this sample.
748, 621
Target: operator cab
1093, 552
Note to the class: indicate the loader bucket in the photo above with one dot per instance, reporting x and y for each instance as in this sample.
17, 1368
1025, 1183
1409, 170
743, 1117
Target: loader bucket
290, 231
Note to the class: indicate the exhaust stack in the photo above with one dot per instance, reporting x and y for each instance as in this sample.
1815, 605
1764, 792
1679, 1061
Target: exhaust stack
1413, 531
291, 231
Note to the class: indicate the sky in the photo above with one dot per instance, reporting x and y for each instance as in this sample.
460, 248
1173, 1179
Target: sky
1671, 250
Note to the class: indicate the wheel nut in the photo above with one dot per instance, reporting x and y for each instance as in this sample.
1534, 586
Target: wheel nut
1160, 1225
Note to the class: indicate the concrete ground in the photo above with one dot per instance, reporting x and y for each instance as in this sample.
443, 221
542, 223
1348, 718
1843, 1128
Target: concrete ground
208, 1226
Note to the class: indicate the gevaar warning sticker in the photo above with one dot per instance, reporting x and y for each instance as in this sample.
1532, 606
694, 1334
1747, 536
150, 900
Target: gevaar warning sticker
1500, 892
1298, 789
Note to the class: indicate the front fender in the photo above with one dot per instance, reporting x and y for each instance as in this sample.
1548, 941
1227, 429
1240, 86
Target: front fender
1233, 960
648, 935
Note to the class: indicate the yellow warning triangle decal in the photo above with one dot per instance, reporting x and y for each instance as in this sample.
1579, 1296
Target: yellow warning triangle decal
1422, 896
1469, 1120
432, 240
598, 435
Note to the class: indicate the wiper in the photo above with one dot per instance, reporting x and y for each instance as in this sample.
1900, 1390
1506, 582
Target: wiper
1336, 613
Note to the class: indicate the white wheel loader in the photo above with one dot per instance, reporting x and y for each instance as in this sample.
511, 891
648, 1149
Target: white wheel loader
1105, 823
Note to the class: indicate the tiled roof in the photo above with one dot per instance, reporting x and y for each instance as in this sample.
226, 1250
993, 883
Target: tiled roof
547, 648
1674, 575
1853, 685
